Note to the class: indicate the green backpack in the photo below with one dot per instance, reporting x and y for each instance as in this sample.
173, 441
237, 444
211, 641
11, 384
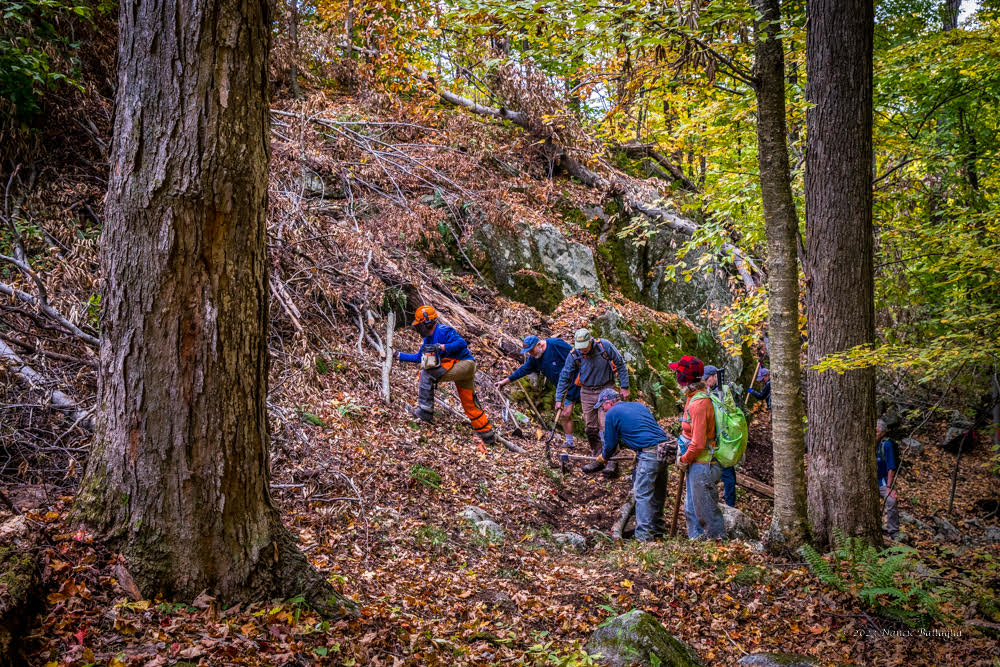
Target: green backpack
730, 428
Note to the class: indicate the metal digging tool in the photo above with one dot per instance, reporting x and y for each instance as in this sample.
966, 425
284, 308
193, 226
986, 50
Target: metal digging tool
548, 441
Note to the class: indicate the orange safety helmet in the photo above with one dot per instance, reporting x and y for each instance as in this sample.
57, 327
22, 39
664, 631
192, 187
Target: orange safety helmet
424, 315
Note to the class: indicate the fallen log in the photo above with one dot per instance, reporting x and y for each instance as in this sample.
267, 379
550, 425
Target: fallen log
624, 513
755, 485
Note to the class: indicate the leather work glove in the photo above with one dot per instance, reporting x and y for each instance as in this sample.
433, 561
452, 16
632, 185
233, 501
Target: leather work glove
681, 466
395, 355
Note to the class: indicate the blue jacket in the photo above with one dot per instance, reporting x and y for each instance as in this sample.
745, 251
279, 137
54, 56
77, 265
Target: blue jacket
455, 346
633, 425
764, 395
550, 365
885, 457
593, 368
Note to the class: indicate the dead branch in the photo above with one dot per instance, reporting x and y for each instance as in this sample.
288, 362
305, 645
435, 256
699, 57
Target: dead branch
33, 379
50, 312
624, 512
390, 326
754, 485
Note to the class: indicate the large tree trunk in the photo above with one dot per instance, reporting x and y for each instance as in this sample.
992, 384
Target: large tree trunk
842, 487
789, 524
178, 475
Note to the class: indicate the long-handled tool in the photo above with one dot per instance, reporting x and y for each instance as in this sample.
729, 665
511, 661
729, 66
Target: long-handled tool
677, 505
746, 395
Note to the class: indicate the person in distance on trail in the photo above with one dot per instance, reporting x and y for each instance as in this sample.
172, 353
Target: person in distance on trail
887, 460
763, 375
633, 425
711, 377
445, 357
593, 363
548, 356
696, 448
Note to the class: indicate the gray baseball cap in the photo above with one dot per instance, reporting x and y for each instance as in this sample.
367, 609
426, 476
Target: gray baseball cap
709, 370
582, 338
608, 394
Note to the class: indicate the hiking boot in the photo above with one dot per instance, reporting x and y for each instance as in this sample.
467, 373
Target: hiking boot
592, 467
488, 438
418, 413
610, 469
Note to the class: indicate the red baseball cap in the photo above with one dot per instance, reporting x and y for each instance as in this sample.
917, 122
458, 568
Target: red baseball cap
688, 369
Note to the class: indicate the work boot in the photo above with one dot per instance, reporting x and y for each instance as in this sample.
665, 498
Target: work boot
592, 467
610, 469
488, 438
418, 413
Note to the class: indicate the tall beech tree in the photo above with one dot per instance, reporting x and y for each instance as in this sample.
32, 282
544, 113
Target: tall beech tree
842, 491
789, 524
178, 475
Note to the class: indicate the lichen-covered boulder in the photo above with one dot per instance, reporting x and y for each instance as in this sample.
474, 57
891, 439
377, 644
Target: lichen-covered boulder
776, 660
573, 540
638, 638
491, 530
649, 346
538, 266
475, 514
738, 525
18, 579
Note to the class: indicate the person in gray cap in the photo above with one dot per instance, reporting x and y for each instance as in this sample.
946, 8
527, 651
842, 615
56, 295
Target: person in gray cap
713, 383
594, 363
634, 426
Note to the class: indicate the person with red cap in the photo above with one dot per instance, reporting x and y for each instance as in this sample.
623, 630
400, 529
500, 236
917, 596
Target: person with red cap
445, 357
696, 447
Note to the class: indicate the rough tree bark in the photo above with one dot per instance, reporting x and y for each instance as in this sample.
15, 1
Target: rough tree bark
789, 523
842, 490
178, 476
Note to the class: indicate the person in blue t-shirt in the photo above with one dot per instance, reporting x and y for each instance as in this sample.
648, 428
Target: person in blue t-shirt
548, 356
634, 426
888, 462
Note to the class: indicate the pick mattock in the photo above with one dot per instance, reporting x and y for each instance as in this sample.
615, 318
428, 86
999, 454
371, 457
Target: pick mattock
677, 505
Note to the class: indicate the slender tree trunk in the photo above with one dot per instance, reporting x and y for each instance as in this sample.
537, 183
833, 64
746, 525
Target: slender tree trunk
789, 523
842, 489
178, 477
293, 37
349, 31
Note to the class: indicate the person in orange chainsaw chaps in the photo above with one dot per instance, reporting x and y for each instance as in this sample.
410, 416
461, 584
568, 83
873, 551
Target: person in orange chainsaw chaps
445, 357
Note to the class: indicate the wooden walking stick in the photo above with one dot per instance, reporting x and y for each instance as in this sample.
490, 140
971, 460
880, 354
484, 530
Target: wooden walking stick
677, 505
746, 395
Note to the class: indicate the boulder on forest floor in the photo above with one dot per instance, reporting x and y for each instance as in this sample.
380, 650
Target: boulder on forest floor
738, 525
638, 638
574, 540
946, 532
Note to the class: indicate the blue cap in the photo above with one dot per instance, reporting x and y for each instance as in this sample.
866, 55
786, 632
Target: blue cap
709, 370
762, 373
529, 342
608, 394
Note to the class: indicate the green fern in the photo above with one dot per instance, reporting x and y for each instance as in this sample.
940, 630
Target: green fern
886, 580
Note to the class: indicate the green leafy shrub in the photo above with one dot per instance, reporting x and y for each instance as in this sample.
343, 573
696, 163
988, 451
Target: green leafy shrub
425, 476
38, 45
885, 580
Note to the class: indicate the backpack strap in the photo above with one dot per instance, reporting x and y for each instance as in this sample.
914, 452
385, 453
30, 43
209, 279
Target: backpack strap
606, 355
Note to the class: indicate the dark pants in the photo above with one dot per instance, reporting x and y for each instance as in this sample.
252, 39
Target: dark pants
729, 486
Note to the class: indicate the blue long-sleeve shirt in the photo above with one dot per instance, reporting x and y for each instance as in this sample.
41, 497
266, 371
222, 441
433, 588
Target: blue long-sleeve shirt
764, 394
550, 365
455, 346
885, 459
593, 368
631, 424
